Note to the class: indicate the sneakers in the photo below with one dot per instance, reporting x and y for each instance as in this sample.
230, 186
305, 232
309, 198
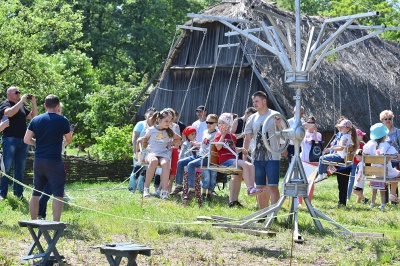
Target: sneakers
365, 201
178, 189
1, 198
67, 198
140, 183
371, 205
157, 193
320, 177
164, 194
393, 198
235, 203
331, 169
146, 193
190, 195
382, 207
204, 197
252, 191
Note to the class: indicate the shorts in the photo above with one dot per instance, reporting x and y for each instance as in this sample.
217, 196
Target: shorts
174, 161
229, 162
48, 171
267, 169
358, 188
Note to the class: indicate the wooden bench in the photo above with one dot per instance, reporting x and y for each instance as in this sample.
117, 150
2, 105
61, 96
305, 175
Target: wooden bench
43, 228
375, 168
213, 162
115, 252
348, 159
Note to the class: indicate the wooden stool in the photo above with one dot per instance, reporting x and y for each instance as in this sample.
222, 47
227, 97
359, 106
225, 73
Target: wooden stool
43, 227
115, 252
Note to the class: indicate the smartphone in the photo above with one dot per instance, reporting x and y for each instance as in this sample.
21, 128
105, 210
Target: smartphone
4, 118
72, 127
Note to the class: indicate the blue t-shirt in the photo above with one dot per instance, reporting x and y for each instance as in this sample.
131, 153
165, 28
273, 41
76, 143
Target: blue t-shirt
49, 129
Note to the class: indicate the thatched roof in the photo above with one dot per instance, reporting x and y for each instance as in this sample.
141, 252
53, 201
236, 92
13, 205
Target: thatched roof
358, 82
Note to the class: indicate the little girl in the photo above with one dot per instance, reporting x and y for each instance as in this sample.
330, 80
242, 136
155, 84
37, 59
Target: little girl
226, 158
349, 137
159, 137
358, 177
379, 146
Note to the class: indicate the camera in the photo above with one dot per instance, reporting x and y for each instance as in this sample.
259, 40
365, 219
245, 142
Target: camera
29, 96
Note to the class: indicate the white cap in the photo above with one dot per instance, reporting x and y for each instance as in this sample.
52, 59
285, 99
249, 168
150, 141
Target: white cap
227, 118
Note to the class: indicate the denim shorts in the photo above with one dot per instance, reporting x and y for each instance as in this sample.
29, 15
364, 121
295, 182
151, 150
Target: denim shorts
267, 169
229, 162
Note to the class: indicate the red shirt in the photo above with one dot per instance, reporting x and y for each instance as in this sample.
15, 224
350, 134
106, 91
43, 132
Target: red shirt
225, 154
360, 146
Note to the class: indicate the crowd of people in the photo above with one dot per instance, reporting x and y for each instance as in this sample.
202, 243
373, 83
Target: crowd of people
168, 151
242, 136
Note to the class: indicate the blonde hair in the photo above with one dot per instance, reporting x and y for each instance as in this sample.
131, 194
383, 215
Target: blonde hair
213, 116
385, 113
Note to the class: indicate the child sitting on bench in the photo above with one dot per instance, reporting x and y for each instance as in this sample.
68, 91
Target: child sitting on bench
225, 156
348, 138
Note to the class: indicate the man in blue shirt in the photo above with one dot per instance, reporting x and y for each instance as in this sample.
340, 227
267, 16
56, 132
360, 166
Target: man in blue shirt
46, 132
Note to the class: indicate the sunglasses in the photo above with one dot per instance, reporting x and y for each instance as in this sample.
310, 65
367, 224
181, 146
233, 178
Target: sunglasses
210, 123
16, 92
386, 119
310, 122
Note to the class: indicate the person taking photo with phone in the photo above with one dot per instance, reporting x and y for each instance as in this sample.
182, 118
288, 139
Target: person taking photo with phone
14, 148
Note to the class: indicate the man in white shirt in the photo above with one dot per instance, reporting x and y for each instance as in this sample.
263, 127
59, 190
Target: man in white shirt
200, 125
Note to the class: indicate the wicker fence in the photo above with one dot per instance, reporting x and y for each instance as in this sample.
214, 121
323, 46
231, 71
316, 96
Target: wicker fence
86, 169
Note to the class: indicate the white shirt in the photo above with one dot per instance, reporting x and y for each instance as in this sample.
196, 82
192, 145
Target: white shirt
200, 127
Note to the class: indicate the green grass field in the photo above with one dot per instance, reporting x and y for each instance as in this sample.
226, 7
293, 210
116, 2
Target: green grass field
108, 213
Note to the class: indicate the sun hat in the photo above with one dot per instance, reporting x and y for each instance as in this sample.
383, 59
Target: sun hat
227, 118
360, 133
378, 131
188, 130
344, 123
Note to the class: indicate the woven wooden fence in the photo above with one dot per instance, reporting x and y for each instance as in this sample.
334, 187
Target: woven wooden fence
87, 170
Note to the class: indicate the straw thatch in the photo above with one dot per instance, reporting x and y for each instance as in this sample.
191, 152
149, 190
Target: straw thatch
358, 82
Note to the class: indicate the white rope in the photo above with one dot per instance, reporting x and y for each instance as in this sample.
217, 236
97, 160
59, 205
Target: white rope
254, 65
369, 104
165, 65
194, 68
230, 79
212, 77
238, 77
340, 98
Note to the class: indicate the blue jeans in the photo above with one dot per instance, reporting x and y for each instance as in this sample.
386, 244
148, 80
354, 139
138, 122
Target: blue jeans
351, 181
14, 152
209, 179
334, 157
43, 201
192, 163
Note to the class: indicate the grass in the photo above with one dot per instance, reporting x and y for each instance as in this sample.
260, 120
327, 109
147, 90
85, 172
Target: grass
108, 213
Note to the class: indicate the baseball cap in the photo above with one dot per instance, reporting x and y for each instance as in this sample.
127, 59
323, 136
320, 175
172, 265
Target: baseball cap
345, 123
360, 133
201, 107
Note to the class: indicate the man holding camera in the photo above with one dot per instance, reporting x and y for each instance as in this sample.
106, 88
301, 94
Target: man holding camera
14, 148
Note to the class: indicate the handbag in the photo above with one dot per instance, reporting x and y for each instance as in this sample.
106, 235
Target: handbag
316, 151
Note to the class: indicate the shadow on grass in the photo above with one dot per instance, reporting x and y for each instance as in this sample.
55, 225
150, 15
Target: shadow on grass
16, 204
162, 230
264, 252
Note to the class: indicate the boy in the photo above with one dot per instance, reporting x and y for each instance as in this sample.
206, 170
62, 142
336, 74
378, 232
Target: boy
195, 161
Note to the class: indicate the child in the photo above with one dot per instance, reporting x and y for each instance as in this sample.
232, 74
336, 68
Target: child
379, 146
349, 137
359, 185
159, 138
226, 158
189, 148
197, 160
